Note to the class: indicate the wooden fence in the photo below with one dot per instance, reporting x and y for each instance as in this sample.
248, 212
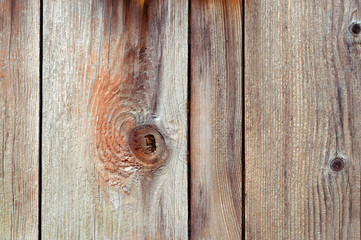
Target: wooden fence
180, 119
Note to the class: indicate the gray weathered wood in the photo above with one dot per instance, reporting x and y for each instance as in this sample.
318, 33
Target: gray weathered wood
110, 66
216, 120
303, 109
19, 118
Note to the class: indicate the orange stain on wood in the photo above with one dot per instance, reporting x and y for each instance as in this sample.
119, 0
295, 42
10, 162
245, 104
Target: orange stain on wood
141, 3
128, 144
233, 7
113, 106
222, 2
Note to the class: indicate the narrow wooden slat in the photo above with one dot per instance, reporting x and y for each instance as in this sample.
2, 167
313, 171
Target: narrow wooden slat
216, 119
115, 120
19, 118
303, 110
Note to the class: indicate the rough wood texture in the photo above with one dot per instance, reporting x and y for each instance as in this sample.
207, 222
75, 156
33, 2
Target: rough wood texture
115, 120
19, 118
216, 120
303, 109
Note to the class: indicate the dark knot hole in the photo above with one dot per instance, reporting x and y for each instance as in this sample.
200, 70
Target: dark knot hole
150, 143
337, 164
356, 28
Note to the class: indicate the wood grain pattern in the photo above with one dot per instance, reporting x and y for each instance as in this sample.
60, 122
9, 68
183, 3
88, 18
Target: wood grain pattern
19, 118
115, 120
216, 120
303, 109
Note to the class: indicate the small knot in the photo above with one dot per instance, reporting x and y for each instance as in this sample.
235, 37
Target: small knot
148, 146
355, 28
337, 164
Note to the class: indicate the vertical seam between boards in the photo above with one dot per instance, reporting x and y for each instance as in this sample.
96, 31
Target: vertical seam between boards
40, 112
189, 119
243, 126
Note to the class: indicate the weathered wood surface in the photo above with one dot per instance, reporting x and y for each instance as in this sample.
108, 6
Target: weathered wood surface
110, 66
216, 120
19, 118
303, 109
115, 119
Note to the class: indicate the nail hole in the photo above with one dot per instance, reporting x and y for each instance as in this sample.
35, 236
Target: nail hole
356, 28
337, 164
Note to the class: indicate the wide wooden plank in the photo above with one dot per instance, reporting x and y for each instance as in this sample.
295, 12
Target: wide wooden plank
115, 120
303, 111
216, 119
19, 118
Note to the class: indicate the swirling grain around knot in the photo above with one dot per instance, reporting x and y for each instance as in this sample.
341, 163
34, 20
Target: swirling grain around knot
128, 143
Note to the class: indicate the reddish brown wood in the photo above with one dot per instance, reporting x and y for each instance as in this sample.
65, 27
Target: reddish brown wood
216, 120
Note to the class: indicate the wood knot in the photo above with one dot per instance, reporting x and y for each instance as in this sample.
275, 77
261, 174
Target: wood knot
337, 164
355, 28
353, 36
148, 146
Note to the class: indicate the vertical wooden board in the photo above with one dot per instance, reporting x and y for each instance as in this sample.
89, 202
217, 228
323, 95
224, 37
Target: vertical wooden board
115, 119
303, 110
19, 118
216, 119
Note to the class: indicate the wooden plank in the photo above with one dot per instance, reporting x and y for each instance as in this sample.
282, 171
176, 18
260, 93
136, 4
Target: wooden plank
115, 120
216, 120
303, 110
19, 118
